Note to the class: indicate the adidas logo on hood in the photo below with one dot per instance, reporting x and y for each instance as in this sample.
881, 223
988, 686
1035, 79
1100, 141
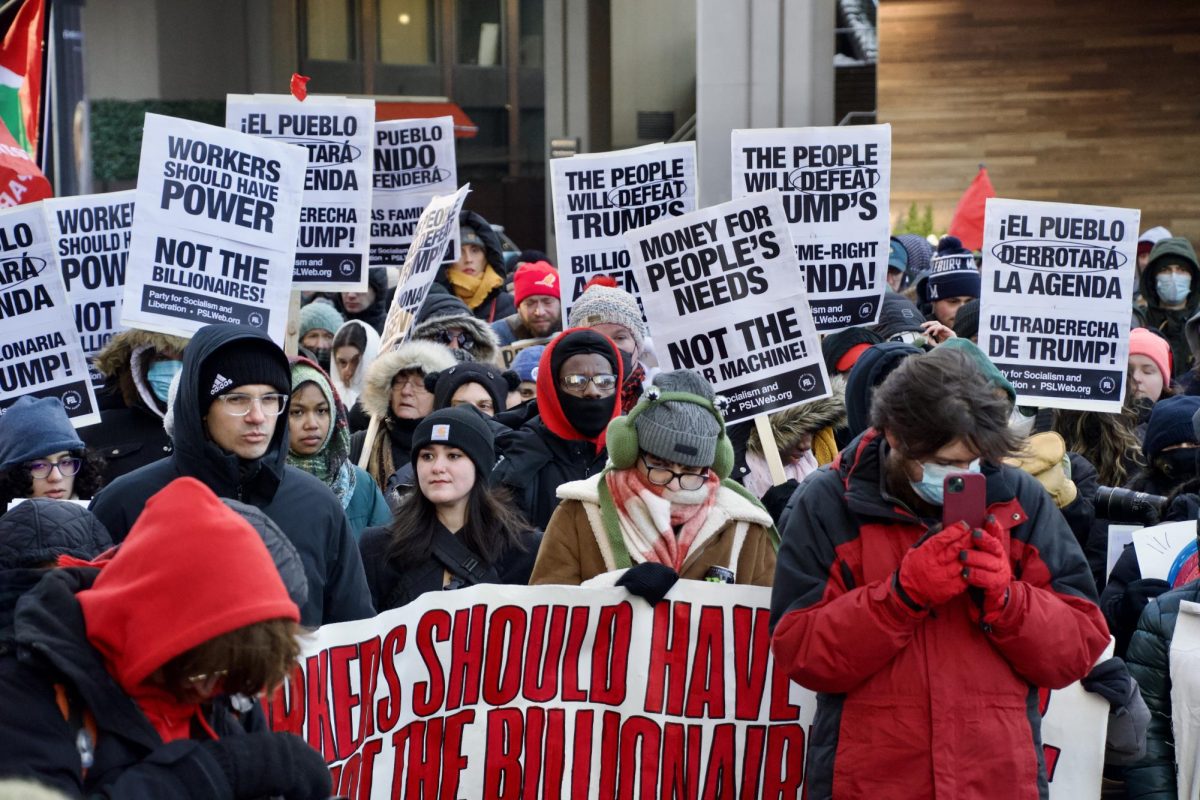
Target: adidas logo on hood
219, 385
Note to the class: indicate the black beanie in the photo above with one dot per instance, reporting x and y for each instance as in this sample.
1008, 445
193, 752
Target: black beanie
241, 363
463, 427
836, 345
966, 321
898, 315
870, 370
441, 304
444, 384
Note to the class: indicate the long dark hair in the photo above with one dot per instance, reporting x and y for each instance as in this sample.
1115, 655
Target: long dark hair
492, 526
16, 482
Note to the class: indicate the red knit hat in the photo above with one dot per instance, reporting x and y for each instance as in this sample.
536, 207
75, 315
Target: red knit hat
533, 278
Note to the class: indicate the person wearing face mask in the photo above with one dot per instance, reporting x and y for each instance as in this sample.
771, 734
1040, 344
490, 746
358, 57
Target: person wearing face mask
921, 636
319, 321
1171, 287
577, 382
615, 313
41, 455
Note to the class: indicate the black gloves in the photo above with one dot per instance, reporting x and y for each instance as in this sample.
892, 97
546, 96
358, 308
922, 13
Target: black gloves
1111, 680
649, 580
272, 764
776, 498
1137, 594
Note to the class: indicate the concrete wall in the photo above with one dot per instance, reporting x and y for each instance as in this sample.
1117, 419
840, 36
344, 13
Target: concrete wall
120, 49
653, 63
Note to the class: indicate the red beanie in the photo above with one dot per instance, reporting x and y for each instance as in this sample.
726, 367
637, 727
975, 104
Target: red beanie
1143, 342
535, 277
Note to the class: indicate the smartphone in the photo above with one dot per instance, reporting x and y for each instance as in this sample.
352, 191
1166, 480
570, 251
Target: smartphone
964, 499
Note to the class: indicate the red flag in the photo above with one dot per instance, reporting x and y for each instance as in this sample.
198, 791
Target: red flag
967, 224
20, 179
21, 74
300, 85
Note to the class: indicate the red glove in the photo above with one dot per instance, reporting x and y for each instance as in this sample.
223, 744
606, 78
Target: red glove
987, 567
932, 571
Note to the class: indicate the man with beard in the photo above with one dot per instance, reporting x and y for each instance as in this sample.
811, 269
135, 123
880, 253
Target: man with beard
539, 309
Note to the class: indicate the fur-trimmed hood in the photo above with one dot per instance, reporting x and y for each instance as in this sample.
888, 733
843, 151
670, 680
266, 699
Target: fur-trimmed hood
425, 356
486, 349
792, 423
115, 359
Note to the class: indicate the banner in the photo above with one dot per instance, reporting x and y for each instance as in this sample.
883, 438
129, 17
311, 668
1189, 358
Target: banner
721, 296
575, 692
1054, 314
600, 196
437, 226
91, 235
333, 244
836, 185
214, 229
40, 353
20, 179
414, 161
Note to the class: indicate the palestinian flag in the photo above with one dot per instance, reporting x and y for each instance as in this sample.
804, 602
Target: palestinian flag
21, 74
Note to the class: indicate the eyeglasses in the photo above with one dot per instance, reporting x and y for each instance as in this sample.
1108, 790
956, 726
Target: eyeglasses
415, 381
661, 476
238, 405
66, 467
464, 341
206, 682
579, 383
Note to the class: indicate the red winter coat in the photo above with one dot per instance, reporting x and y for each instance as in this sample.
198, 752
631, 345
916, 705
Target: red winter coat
918, 703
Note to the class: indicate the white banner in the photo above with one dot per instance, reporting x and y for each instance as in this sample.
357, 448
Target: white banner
1055, 310
414, 161
598, 197
338, 132
40, 354
214, 229
836, 186
91, 236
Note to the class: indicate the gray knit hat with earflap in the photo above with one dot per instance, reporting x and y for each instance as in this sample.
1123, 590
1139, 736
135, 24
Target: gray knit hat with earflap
684, 433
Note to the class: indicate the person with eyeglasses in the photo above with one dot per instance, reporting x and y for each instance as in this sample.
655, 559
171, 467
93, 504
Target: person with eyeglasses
664, 507
444, 319
41, 455
578, 384
231, 432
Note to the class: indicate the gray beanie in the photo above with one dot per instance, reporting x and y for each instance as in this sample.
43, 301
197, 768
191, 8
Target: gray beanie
684, 433
606, 304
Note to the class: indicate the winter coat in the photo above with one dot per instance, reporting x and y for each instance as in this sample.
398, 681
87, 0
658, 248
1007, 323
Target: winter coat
915, 702
1149, 659
499, 303
302, 506
367, 507
376, 313
576, 548
485, 350
818, 417
350, 392
1176, 326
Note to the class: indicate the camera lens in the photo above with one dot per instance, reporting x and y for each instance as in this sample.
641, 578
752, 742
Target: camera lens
956, 484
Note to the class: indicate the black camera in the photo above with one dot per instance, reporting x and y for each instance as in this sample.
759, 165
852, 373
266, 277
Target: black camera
1127, 506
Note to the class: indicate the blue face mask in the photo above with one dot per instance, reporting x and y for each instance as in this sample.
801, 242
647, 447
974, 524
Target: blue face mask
160, 375
1173, 287
931, 487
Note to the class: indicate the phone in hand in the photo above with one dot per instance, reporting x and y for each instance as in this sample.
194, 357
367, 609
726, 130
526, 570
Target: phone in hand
964, 499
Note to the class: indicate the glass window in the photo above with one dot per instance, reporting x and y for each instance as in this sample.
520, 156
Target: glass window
407, 32
479, 34
533, 23
330, 26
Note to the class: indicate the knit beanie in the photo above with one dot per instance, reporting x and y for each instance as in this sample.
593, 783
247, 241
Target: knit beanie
1170, 423
919, 252
1145, 342
537, 278
874, 365
601, 304
990, 371
897, 315
444, 384
319, 315
952, 272
463, 427
684, 433
34, 427
526, 362
837, 347
241, 363
966, 320
440, 303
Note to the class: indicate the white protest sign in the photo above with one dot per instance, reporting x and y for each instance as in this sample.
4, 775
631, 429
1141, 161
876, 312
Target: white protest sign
40, 354
1074, 759
414, 161
1118, 537
1158, 547
91, 234
1185, 698
1054, 313
437, 226
334, 239
600, 196
214, 229
721, 295
836, 186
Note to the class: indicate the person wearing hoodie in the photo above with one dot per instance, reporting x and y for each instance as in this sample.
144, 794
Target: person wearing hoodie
614, 312
1145, 244
477, 277
138, 366
536, 290
355, 347
230, 434
41, 455
869, 371
319, 322
370, 305
135, 679
577, 382
319, 444
1171, 288
446, 320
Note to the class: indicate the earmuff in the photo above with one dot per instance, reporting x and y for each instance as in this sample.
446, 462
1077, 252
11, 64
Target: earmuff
622, 440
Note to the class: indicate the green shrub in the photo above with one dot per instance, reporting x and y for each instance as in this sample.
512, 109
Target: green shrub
116, 129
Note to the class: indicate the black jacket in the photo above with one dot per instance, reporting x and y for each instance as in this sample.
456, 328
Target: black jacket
302, 506
127, 439
376, 313
536, 462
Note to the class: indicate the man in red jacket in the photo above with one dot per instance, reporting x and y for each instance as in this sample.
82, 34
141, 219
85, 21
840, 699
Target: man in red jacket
926, 643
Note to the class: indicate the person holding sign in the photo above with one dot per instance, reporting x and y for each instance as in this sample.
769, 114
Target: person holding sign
477, 278
1171, 287
927, 636
41, 455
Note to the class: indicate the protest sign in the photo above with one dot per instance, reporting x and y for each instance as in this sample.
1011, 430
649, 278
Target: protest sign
600, 196
1074, 759
721, 296
836, 185
414, 161
91, 235
1158, 547
508, 353
333, 244
1184, 666
1119, 536
40, 354
214, 229
437, 226
1054, 313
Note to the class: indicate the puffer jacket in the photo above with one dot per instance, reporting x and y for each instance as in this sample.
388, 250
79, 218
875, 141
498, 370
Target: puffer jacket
915, 702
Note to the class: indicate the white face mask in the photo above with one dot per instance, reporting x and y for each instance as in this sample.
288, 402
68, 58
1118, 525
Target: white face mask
1173, 287
931, 488
1021, 424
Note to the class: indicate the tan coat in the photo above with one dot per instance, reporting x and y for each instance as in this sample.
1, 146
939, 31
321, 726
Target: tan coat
575, 549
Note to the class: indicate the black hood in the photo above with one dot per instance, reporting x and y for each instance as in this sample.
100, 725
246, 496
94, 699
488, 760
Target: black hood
200, 458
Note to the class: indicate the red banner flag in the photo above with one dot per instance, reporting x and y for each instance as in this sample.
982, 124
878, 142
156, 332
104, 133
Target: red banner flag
20, 179
21, 74
967, 223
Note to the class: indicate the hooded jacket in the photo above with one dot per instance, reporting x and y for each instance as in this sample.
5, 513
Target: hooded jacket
486, 347
303, 507
925, 703
350, 392
376, 313
1173, 325
499, 303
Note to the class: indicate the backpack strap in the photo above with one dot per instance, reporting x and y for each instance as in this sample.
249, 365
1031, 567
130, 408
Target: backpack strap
82, 722
458, 558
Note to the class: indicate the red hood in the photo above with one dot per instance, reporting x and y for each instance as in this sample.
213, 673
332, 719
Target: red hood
549, 407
